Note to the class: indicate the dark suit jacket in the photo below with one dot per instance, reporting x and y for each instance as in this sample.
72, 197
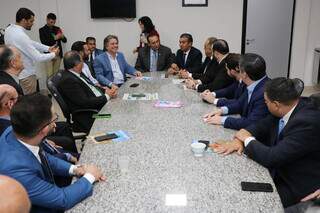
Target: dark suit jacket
250, 112
46, 37
216, 77
165, 59
230, 94
5, 78
78, 95
204, 67
193, 62
294, 155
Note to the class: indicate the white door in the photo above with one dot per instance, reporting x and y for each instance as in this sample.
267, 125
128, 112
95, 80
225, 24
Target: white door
268, 33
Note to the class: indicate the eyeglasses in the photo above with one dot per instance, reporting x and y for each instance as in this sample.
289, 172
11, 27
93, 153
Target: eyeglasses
52, 121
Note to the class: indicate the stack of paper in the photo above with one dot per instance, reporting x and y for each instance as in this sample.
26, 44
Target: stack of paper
168, 104
140, 96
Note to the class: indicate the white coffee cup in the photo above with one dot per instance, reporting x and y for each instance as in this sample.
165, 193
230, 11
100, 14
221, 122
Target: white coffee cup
198, 149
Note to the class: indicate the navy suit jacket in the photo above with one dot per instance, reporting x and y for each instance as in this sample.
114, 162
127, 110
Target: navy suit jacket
103, 69
250, 112
193, 62
230, 94
294, 155
18, 162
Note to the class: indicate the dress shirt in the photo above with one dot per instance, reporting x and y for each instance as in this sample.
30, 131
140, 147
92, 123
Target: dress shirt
285, 118
16, 36
35, 152
86, 72
95, 91
117, 74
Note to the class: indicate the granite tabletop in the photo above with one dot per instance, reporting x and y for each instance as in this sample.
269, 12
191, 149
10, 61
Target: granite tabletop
156, 171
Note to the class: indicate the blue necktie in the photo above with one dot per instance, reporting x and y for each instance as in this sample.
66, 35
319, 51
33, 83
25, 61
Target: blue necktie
184, 59
154, 59
45, 165
281, 125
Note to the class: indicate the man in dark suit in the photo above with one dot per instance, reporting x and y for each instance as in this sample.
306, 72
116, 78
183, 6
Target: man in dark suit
79, 92
11, 66
208, 61
154, 57
188, 58
51, 35
21, 148
216, 77
8, 97
250, 105
231, 93
286, 142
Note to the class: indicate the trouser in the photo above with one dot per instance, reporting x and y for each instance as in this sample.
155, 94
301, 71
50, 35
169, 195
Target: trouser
29, 84
52, 66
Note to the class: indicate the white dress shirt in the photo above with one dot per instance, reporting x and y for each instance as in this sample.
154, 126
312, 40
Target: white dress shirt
35, 152
117, 74
16, 36
86, 72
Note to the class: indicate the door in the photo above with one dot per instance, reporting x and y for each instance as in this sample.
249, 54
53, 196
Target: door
268, 31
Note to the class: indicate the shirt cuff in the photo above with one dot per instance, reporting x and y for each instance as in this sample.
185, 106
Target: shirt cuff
107, 96
71, 169
225, 110
68, 155
214, 94
248, 140
89, 177
110, 84
197, 86
199, 81
223, 119
215, 101
190, 75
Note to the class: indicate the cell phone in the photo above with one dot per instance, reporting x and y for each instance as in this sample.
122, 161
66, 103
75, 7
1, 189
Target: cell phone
106, 115
256, 187
138, 95
134, 85
106, 137
205, 142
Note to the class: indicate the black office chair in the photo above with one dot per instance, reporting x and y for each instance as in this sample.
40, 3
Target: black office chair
315, 98
52, 84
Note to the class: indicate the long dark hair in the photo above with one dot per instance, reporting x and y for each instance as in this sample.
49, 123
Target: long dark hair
147, 23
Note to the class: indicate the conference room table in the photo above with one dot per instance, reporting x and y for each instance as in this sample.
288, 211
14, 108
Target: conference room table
156, 171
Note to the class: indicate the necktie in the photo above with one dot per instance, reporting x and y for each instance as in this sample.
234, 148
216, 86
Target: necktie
154, 59
281, 126
45, 165
97, 92
184, 59
91, 58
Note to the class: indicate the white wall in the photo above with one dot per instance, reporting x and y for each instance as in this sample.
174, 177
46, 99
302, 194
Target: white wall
222, 18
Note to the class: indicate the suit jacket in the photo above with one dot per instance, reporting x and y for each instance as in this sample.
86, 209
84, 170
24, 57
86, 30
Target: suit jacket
103, 69
204, 67
216, 77
98, 52
250, 112
230, 94
5, 78
78, 95
4, 124
294, 155
193, 62
22, 165
46, 37
165, 59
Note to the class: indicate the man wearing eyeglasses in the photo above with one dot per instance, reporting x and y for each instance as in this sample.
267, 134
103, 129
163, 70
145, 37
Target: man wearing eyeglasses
32, 119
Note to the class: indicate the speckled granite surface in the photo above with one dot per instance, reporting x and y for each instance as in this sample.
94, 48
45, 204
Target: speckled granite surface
161, 161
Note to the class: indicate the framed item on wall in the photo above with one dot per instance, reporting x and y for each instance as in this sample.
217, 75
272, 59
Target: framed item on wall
194, 3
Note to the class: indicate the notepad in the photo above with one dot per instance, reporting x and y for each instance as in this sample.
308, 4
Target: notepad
140, 96
168, 104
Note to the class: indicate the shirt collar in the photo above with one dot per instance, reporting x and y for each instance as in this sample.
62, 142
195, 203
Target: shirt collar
223, 58
5, 117
33, 149
16, 78
19, 27
110, 57
286, 117
187, 53
75, 73
251, 87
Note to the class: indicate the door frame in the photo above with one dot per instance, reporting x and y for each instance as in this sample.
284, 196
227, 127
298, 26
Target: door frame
244, 30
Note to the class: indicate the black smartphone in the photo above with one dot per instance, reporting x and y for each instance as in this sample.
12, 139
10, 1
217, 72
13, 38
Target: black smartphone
205, 142
138, 95
106, 137
256, 187
134, 85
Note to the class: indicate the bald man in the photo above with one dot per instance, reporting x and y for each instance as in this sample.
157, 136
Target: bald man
8, 97
13, 197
